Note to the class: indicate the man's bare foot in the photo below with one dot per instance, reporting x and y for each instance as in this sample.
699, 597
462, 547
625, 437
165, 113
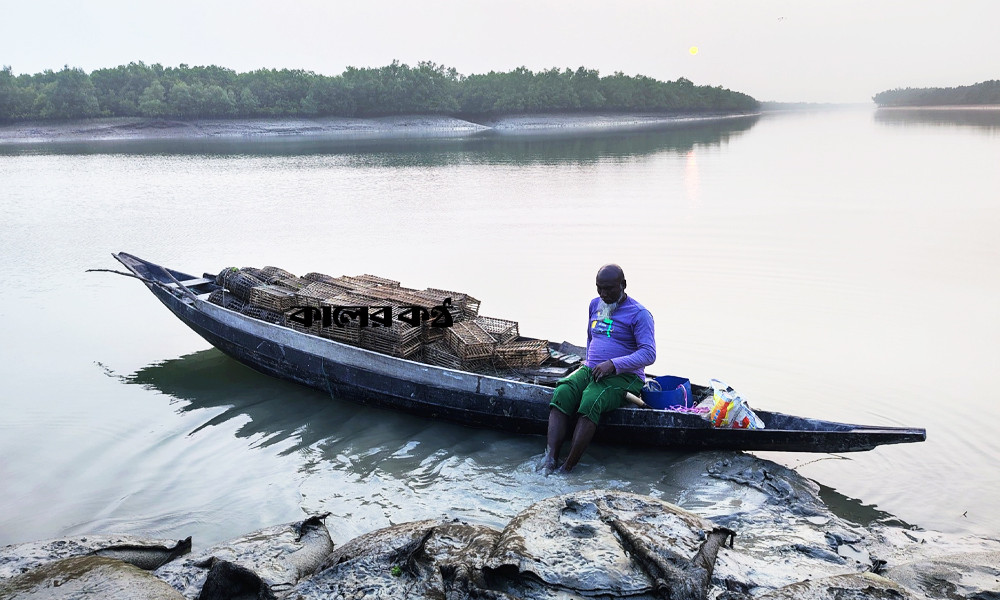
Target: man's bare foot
547, 465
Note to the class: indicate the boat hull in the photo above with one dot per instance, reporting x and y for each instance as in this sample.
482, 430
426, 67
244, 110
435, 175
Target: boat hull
474, 400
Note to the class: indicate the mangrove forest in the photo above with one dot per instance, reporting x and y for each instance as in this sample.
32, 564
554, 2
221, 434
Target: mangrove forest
140, 90
986, 92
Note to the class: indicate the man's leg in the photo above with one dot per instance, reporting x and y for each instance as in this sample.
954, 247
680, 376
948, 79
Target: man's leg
584, 432
558, 427
598, 397
565, 402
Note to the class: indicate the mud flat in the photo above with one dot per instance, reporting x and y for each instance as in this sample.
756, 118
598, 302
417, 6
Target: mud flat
595, 123
770, 536
414, 126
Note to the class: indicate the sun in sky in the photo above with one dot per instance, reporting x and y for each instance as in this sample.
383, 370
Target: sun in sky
693, 50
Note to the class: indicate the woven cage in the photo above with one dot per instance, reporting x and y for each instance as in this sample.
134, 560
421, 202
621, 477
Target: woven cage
521, 354
501, 329
399, 332
226, 299
350, 332
400, 297
466, 303
401, 348
392, 295
255, 272
263, 314
430, 334
294, 284
272, 298
275, 274
371, 280
241, 284
469, 341
439, 354
314, 276
437, 299
225, 274
316, 293
287, 321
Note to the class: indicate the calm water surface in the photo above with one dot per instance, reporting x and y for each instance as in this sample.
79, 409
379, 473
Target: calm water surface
840, 264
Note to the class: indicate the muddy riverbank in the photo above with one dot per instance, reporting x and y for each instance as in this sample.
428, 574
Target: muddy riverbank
414, 126
779, 540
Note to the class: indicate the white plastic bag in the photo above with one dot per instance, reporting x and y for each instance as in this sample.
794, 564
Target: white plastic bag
731, 410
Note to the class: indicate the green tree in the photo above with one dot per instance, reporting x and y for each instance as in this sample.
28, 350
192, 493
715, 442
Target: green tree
279, 92
247, 103
70, 95
212, 101
329, 96
587, 86
153, 101
181, 101
119, 89
8, 95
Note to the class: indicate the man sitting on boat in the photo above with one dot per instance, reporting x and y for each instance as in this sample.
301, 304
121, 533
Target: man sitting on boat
620, 344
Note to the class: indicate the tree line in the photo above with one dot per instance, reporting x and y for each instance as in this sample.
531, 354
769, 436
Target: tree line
140, 90
986, 92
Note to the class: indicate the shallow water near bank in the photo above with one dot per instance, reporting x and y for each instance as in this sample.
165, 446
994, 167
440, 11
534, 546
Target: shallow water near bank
830, 264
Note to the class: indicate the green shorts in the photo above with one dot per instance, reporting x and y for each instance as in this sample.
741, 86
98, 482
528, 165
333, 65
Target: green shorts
579, 393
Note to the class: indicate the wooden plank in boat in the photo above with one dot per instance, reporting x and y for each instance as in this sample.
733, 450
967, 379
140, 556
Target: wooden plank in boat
191, 282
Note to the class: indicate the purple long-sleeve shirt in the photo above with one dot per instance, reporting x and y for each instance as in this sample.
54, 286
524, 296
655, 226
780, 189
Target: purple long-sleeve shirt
631, 345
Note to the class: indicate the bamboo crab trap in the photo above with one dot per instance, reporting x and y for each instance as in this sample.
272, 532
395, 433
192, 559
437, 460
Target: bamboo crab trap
316, 293
471, 342
226, 299
262, 314
521, 354
274, 275
223, 277
272, 298
241, 284
393, 343
439, 354
292, 283
501, 329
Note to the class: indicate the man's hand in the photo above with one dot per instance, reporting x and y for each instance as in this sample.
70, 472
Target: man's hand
603, 370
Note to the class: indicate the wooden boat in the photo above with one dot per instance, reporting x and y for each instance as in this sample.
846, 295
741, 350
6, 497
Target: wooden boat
471, 399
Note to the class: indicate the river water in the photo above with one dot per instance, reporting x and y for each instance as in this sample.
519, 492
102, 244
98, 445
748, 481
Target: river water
839, 264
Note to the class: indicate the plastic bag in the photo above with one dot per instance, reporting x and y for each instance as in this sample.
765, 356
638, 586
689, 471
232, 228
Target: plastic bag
731, 410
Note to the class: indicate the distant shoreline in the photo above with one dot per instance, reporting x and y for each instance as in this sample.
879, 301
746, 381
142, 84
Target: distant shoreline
412, 126
985, 107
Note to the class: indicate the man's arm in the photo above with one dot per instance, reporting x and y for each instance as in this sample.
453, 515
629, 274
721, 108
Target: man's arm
645, 339
590, 334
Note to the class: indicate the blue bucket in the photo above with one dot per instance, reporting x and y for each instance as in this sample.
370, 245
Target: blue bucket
676, 391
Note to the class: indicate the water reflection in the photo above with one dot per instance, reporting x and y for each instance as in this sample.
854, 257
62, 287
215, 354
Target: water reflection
344, 444
980, 118
856, 511
278, 411
275, 409
487, 148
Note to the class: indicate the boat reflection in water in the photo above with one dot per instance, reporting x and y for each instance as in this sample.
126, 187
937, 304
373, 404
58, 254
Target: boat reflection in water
344, 446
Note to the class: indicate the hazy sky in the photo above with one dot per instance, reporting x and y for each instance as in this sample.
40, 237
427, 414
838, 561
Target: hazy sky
801, 50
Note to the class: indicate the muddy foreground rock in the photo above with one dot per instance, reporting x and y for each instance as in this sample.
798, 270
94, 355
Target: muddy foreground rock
592, 544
